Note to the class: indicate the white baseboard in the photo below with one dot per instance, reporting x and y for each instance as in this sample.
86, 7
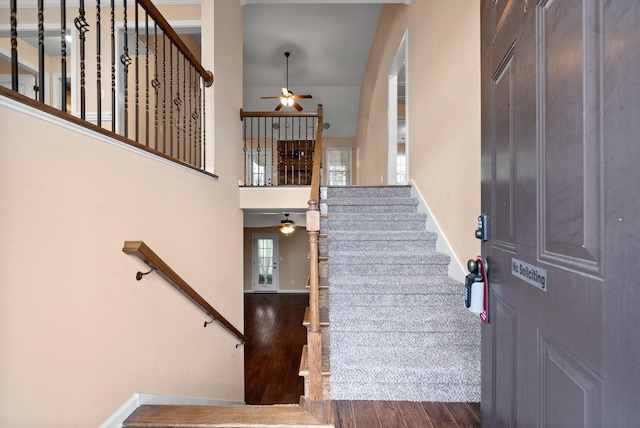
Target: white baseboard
456, 269
141, 398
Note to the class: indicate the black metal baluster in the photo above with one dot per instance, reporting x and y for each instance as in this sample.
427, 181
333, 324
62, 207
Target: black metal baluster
281, 152
14, 45
137, 31
113, 66
178, 102
125, 59
267, 180
203, 146
83, 27
171, 94
297, 160
184, 110
63, 54
258, 150
244, 148
146, 80
41, 81
273, 153
164, 96
192, 115
155, 83
251, 153
199, 122
98, 64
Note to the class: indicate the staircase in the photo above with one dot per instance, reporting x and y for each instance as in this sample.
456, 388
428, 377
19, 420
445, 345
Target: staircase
398, 327
392, 322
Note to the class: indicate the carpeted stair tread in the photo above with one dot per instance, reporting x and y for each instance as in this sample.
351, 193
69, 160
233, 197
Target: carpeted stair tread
398, 326
408, 300
402, 319
399, 365
414, 339
395, 284
370, 191
387, 258
382, 235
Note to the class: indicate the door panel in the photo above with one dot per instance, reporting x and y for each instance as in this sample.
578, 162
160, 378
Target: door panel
544, 188
568, 391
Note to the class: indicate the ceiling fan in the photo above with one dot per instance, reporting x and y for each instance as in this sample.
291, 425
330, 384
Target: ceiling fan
286, 227
288, 98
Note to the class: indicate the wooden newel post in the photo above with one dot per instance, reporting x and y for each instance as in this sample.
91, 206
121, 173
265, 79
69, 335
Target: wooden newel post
314, 336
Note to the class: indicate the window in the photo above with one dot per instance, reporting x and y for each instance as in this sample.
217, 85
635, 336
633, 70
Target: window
401, 169
338, 167
258, 167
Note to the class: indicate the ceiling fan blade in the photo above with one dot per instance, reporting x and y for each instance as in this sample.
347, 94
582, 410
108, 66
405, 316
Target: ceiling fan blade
297, 106
279, 106
267, 98
302, 96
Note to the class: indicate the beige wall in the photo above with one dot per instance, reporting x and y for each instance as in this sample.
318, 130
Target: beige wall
293, 264
443, 110
79, 334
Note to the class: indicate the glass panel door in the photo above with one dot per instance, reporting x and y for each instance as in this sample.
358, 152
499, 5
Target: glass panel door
265, 262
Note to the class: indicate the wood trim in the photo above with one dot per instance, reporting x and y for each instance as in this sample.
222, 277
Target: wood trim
244, 114
147, 255
173, 36
92, 127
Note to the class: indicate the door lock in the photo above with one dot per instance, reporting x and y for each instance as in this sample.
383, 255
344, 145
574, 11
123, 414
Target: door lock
482, 231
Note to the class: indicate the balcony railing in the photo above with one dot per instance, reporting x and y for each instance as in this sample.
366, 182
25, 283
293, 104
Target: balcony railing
121, 69
279, 147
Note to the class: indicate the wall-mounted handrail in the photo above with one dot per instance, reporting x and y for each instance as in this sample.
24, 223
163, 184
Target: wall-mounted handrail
147, 255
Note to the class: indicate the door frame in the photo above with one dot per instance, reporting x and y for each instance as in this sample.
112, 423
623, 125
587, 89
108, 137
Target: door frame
401, 59
254, 261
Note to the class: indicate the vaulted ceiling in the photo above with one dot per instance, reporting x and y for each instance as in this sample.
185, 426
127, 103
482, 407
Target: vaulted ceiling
329, 42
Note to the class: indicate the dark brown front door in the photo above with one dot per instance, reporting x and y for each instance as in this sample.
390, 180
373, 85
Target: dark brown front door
561, 187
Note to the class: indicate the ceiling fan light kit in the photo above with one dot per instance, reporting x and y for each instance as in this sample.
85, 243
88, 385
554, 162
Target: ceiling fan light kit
288, 226
288, 98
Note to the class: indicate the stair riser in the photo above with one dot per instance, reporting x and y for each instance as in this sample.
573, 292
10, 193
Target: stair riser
403, 300
388, 209
326, 386
323, 298
369, 192
395, 270
337, 226
407, 340
419, 246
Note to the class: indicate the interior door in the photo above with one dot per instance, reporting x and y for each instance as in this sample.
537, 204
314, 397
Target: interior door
265, 262
560, 109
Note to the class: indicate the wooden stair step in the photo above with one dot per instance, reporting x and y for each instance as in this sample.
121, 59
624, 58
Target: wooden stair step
324, 317
165, 416
304, 362
326, 371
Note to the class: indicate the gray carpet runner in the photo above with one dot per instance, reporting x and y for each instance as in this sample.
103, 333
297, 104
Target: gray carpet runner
399, 328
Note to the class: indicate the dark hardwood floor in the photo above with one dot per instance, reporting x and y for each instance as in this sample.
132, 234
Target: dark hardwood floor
273, 324
404, 414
